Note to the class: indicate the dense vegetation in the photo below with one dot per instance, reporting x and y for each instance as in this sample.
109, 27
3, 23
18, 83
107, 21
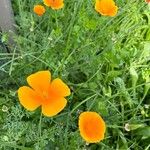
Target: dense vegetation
104, 60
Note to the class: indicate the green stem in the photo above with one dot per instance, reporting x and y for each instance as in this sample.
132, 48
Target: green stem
56, 19
82, 103
39, 129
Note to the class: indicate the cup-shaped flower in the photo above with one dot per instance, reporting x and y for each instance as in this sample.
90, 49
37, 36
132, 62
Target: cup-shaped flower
39, 10
54, 4
92, 127
106, 7
50, 95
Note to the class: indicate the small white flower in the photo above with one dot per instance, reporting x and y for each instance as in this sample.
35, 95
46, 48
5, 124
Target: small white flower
127, 127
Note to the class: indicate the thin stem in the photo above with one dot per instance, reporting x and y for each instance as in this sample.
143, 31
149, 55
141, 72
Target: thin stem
56, 19
39, 130
66, 131
82, 103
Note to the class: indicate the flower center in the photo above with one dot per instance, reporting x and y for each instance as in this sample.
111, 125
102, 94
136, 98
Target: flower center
45, 95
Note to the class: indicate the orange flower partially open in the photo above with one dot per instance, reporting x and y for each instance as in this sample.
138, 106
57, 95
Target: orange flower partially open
92, 127
39, 10
54, 4
106, 7
45, 93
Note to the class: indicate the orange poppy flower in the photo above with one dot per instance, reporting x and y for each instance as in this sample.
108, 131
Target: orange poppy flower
54, 4
106, 7
45, 93
39, 10
92, 127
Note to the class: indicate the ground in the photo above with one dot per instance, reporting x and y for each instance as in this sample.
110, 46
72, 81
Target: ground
104, 60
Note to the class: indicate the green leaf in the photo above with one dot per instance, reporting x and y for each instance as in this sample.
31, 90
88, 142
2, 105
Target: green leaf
134, 76
145, 132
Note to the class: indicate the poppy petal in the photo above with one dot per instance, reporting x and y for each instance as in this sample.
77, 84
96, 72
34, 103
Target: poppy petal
59, 89
92, 127
113, 11
39, 10
28, 98
106, 7
47, 2
58, 4
40, 81
54, 4
54, 107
